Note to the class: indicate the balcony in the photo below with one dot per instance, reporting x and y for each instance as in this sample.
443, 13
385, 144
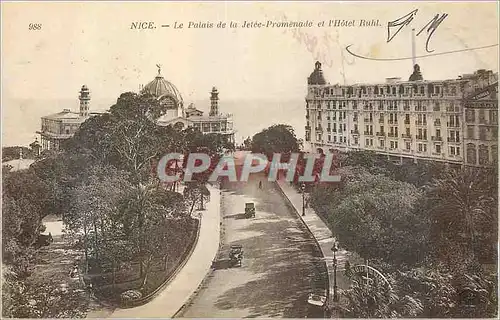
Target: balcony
308, 128
453, 140
381, 120
423, 138
437, 123
406, 136
434, 138
392, 135
381, 134
407, 121
355, 119
393, 121
367, 133
453, 125
329, 129
420, 123
406, 108
307, 117
368, 120
319, 128
354, 131
328, 118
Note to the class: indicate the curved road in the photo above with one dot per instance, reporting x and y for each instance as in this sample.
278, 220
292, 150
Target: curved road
281, 263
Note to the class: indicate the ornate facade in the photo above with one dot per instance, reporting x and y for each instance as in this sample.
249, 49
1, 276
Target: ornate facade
63, 125
182, 117
454, 121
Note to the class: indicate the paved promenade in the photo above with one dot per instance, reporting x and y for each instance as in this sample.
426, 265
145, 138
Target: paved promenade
185, 283
324, 237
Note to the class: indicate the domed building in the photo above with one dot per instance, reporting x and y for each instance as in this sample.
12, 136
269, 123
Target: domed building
181, 117
167, 93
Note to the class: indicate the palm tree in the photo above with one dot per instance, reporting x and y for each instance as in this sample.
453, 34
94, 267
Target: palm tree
460, 201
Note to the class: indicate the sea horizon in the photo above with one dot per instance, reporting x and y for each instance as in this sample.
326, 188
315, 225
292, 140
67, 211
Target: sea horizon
21, 118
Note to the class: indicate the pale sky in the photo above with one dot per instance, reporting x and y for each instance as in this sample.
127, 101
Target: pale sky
92, 43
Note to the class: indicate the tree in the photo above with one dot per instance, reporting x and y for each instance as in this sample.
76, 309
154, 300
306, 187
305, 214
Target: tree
278, 138
376, 300
463, 207
376, 217
196, 192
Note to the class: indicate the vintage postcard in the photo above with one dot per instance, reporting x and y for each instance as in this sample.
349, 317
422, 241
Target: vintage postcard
249, 159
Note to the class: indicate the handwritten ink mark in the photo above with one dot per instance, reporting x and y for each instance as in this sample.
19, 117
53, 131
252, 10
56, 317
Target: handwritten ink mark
432, 26
420, 57
401, 22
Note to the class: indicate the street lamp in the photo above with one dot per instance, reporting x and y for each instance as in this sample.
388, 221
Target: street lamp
335, 249
303, 188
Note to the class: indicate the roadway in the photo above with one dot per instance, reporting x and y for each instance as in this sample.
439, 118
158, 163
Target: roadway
281, 263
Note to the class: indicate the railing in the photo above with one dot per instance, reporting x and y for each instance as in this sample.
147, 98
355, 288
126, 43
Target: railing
435, 138
381, 134
406, 136
453, 140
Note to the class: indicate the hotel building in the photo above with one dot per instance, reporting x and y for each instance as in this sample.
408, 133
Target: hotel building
452, 121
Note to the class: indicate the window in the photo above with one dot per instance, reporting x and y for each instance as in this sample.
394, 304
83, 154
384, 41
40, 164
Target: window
471, 153
356, 140
329, 138
482, 133
438, 148
408, 146
345, 127
493, 117
345, 139
367, 142
381, 141
438, 132
482, 116
484, 156
470, 115
470, 132
335, 139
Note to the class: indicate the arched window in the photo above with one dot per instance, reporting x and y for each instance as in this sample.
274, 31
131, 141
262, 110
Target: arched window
471, 153
484, 156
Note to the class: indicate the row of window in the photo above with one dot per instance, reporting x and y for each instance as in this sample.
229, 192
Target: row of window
387, 89
470, 116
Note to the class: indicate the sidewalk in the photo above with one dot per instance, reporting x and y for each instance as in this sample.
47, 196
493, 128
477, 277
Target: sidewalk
185, 283
324, 237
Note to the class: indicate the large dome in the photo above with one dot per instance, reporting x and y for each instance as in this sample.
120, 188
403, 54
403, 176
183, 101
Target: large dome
162, 88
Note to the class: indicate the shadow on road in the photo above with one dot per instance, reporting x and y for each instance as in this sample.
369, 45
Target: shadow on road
284, 254
236, 216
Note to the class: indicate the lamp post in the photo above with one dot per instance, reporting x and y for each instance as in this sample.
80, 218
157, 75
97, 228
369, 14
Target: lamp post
303, 188
335, 249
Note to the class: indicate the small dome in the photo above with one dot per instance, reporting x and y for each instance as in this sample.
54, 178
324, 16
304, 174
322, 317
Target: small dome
160, 88
316, 76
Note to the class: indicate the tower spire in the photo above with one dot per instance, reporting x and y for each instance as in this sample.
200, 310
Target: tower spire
159, 69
